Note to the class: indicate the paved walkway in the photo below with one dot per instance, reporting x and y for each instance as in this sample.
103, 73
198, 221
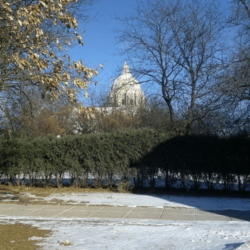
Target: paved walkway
77, 211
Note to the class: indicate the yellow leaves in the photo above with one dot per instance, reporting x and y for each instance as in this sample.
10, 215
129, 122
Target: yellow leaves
66, 76
19, 22
21, 12
73, 22
43, 4
35, 53
101, 66
25, 22
70, 94
22, 63
35, 10
60, 16
6, 7
55, 95
82, 69
82, 84
41, 65
51, 54
78, 66
15, 56
20, 66
90, 74
86, 95
57, 67
79, 38
38, 32
36, 56
45, 52
77, 82
10, 17
24, 10
80, 42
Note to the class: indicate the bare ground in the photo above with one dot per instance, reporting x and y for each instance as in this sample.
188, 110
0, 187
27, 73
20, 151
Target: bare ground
17, 194
16, 237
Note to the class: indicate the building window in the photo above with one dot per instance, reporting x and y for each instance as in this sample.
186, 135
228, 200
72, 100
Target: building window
131, 101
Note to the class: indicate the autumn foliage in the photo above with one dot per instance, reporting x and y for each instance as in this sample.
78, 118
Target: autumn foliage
33, 45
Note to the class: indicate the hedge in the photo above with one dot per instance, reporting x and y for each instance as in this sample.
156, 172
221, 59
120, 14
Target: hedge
184, 161
196, 159
102, 155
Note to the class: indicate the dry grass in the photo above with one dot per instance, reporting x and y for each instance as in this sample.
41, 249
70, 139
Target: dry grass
17, 236
18, 193
46, 191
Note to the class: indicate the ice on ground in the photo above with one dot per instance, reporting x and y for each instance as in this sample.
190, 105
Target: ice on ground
133, 200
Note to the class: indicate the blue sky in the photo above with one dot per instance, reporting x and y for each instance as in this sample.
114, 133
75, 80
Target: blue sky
100, 45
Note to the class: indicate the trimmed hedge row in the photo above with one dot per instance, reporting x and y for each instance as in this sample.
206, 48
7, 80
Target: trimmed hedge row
196, 159
183, 161
102, 155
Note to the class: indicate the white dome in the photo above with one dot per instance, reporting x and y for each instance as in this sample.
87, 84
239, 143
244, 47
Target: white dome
126, 90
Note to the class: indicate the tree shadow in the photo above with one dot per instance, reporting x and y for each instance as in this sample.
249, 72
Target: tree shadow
233, 246
195, 162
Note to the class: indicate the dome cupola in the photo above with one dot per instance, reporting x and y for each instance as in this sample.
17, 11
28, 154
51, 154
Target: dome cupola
125, 68
125, 90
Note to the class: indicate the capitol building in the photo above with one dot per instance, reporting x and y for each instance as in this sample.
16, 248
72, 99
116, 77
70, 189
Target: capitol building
125, 91
125, 95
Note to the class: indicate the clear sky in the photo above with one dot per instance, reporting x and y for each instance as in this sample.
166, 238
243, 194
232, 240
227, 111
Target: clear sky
100, 45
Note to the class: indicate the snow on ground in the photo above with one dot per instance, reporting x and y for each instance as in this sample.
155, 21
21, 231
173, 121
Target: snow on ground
113, 234
142, 234
133, 200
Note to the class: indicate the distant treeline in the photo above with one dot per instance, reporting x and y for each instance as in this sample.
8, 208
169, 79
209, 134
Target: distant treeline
140, 154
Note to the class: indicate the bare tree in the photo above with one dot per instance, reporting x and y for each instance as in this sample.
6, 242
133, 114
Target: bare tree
235, 84
26, 114
176, 46
150, 41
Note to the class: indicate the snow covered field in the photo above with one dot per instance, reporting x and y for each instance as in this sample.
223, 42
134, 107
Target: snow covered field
113, 234
137, 234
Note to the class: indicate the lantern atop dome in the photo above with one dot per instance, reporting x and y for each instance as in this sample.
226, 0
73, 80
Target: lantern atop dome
125, 68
